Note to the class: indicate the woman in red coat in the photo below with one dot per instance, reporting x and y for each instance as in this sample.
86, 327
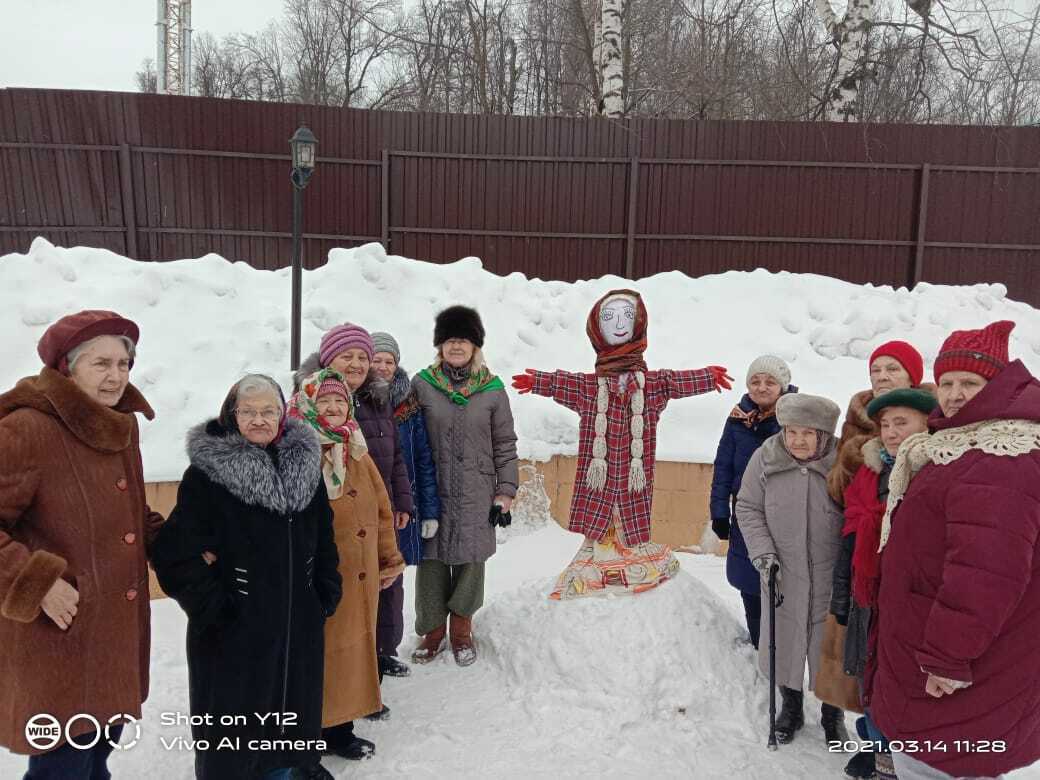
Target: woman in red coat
951, 671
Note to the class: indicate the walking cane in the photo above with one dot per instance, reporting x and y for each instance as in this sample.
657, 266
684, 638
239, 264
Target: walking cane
773, 604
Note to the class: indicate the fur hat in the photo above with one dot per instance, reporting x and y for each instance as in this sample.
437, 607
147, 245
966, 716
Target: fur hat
772, 365
70, 331
384, 342
458, 322
810, 411
983, 352
912, 398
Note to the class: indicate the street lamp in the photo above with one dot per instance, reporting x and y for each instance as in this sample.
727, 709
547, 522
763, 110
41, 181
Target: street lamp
303, 145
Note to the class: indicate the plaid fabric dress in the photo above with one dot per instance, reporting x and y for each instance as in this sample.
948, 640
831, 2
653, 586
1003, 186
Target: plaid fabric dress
591, 510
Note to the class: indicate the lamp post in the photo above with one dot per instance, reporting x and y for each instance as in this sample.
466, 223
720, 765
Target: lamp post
303, 145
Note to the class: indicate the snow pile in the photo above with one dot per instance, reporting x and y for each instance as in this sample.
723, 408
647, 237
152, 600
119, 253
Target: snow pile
205, 322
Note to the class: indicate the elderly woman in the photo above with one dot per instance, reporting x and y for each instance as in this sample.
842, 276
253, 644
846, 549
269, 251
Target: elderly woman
348, 349
893, 365
751, 422
422, 475
74, 530
898, 415
474, 447
249, 554
789, 519
953, 667
369, 560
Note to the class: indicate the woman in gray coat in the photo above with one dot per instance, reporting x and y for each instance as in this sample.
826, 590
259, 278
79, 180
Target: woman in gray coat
788, 518
471, 432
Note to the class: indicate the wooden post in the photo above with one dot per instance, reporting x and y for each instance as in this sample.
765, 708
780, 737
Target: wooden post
922, 224
126, 192
630, 246
385, 202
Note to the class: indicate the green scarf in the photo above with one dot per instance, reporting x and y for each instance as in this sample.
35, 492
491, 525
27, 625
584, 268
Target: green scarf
477, 383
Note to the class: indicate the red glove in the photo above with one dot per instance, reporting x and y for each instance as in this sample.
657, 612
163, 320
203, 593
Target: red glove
524, 382
722, 379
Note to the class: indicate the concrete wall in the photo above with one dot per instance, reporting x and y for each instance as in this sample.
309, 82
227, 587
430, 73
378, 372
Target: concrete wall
681, 493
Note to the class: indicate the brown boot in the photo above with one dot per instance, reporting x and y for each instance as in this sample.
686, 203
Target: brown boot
431, 646
462, 640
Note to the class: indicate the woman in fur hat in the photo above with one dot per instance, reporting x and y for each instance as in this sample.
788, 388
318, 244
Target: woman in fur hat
619, 406
750, 423
789, 519
249, 554
898, 415
893, 365
75, 533
952, 666
369, 562
417, 454
474, 446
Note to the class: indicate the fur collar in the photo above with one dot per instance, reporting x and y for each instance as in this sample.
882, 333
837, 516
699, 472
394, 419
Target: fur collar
776, 459
249, 473
400, 388
99, 427
871, 451
857, 417
310, 365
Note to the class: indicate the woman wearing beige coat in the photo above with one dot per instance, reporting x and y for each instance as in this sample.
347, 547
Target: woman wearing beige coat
368, 560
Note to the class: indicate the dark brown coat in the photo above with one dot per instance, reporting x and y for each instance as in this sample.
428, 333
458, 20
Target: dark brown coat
72, 506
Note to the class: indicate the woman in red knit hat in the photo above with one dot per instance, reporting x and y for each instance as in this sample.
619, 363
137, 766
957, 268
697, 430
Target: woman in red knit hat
74, 529
893, 365
951, 672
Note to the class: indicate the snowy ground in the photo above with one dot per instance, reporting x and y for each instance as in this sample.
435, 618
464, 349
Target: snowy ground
617, 687
205, 322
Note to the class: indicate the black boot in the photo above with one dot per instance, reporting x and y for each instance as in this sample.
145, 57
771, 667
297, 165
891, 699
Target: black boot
341, 741
861, 765
312, 772
833, 721
791, 717
392, 667
383, 714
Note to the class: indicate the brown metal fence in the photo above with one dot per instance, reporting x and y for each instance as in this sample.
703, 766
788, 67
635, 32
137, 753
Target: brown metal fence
159, 177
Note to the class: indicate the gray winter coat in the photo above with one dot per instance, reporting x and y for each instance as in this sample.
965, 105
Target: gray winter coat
784, 508
474, 447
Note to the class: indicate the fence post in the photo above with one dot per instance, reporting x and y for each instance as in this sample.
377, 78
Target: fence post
385, 202
630, 228
126, 191
922, 224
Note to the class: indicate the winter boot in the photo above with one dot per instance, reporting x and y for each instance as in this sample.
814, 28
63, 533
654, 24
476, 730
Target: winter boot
861, 765
462, 640
791, 717
343, 742
833, 721
383, 714
884, 769
431, 646
391, 667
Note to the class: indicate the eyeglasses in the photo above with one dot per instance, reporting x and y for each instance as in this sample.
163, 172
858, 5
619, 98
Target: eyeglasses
268, 415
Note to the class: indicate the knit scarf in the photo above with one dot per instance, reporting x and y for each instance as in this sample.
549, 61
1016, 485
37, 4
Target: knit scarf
478, 382
993, 437
336, 442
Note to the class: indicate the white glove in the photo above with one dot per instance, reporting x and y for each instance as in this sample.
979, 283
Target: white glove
764, 563
429, 529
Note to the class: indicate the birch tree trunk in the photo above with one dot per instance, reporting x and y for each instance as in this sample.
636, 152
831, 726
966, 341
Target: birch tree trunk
850, 35
611, 64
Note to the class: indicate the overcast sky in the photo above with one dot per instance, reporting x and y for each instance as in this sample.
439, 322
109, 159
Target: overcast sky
99, 44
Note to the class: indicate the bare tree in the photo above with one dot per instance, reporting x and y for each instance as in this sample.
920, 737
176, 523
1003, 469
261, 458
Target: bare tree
146, 78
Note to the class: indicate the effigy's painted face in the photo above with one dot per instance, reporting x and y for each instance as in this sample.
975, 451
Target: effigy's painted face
617, 321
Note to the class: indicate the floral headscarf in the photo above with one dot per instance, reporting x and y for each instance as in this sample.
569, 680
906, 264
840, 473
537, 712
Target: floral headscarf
343, 439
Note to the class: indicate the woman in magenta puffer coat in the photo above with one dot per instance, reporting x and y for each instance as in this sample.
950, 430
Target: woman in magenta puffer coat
952, 668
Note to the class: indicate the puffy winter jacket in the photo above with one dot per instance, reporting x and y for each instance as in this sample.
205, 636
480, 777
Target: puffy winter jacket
738, 443
960, 593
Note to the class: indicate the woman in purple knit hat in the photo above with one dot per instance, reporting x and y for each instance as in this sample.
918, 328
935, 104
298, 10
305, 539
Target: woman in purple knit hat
348, 349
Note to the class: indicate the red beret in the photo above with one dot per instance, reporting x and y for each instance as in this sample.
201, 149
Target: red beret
69, 332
